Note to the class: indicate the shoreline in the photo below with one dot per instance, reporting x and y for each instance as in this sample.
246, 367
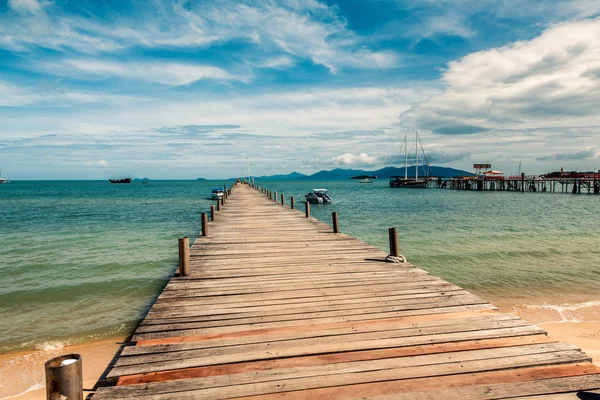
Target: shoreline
22, 372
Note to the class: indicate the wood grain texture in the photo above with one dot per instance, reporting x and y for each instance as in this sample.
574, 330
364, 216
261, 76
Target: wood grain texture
277, 306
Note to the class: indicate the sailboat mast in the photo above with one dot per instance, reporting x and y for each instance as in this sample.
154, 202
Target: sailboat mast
417, 156
405, 160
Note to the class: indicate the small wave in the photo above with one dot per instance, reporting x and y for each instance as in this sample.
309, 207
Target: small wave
49, 346
35, 386
564, 311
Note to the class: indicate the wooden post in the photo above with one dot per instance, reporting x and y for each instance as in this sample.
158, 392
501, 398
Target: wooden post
336, 227
64, 379
212, 213
292, 202
218, 205
184, 256
204, 224
307, 209
222, 201
393, 234
522, 182
275, 196
282, 201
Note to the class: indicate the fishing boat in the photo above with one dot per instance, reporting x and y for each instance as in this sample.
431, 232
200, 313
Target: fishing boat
3, 177
410, 182
366, 180
120, 180
217, 193
319, 196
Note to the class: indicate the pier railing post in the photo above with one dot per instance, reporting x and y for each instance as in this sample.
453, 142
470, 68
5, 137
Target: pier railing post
282, 199
307, 209
393, 236
292, 202
336, 227
218, 205
212, 213
222, 201
184, 256
64, 379
204, 224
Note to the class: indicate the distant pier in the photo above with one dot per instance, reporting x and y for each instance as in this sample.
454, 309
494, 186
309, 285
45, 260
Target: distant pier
274, 304
587, 184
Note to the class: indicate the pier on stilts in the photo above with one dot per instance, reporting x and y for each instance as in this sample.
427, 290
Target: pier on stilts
272, 304
584, 185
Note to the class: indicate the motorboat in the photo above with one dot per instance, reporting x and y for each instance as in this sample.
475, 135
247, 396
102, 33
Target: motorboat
217, 194
366, 180
318, 196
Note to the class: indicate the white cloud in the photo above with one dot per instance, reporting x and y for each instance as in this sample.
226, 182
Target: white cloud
99, 163
26, 6
548, 82
168, 73
354, 159
308, 30
18, 96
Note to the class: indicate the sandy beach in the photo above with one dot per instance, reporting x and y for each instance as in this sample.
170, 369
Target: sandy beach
22, 374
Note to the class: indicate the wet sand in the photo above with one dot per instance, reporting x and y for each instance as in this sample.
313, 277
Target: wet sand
22, 374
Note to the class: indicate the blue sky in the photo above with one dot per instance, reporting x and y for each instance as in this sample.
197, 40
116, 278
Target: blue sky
186, 89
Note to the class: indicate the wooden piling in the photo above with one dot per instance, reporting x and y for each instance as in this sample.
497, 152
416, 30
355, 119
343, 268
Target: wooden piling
393, 237
212, 213
336, 227
184, 256
204, 224
282, 200
275, 196
64, 378
307, 209
292, 202
218, 205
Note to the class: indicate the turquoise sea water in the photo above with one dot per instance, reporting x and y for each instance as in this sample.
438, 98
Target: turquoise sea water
84, 260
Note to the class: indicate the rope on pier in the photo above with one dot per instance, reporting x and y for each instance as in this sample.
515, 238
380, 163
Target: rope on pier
392, 259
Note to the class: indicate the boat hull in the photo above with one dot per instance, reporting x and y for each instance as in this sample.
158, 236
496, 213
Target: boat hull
409, 184
126, 180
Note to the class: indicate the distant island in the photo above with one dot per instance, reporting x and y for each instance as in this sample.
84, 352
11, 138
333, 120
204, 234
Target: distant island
364, 177
347, 173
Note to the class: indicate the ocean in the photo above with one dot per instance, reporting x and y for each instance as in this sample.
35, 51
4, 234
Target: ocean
84, 260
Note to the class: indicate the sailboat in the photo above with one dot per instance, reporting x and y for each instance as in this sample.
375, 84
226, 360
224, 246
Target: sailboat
3, 177
410, 182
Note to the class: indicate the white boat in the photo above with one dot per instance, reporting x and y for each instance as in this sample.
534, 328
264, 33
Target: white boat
3, 177
366, 180
318, 196
217, 194
410, 182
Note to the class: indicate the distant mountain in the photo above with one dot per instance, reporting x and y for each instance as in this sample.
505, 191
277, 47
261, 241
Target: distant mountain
291, 176
343, 173
442, 172
384, 173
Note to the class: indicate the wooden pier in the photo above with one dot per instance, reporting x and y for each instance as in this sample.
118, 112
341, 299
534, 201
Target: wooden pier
523, 184
277, 306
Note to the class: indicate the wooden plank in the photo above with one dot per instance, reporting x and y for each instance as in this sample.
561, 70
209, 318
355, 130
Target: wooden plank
332, 358
215, 388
